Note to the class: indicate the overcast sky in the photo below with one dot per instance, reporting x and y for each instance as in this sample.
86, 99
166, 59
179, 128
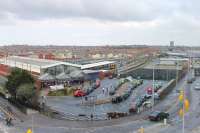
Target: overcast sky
100, 22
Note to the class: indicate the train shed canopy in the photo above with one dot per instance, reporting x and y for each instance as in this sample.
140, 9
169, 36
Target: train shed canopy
33, 64
41, 66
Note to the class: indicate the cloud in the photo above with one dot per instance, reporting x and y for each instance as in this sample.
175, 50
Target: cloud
109, 10
100, 21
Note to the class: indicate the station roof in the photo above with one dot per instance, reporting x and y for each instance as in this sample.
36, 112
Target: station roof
35, 64
87, 66
43, 63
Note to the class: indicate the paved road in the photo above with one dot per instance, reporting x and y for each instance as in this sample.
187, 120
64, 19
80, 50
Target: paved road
192, 118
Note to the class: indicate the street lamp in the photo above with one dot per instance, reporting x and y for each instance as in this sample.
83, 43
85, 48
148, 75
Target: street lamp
153, 86
156, 62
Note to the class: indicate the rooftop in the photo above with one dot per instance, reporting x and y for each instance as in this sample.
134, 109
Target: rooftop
35, 64
96, 64
165, 65
43, 63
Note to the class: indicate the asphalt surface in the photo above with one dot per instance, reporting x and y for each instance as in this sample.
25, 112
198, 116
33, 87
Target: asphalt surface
70, 105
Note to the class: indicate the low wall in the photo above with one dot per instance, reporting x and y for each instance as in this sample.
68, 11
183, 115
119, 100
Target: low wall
167, 88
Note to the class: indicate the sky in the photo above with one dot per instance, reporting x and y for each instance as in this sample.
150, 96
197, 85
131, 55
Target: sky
100, 22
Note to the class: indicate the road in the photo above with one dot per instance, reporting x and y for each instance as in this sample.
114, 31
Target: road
192, 118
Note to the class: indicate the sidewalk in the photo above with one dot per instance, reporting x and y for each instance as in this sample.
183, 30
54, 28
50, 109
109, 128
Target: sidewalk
196, 130
3, 128
156, 128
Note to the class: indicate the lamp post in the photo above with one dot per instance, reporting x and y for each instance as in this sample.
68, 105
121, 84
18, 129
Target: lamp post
156, 62
153, 86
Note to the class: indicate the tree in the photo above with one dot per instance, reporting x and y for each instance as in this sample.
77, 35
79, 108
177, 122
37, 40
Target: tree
26, 93
16, 78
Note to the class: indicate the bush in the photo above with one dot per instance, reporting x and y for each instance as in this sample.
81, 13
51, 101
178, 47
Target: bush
26, 95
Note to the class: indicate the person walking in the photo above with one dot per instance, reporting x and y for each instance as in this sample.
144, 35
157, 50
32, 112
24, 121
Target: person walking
103, 90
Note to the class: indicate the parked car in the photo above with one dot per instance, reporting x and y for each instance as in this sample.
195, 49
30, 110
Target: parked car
117, 99
197, 86
193, 79
157, 86
149, 91
158, 116
140, 101
190, 81
147, 104
133, 108
79, 93
147, 96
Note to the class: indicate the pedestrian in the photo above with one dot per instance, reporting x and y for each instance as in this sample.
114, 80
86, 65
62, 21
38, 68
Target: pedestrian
103, 90
86, 98
91, 116
8, 121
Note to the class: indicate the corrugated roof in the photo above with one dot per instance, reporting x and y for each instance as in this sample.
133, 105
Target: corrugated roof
43, 63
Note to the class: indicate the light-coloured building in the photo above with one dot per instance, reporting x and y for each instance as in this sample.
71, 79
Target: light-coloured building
41, 66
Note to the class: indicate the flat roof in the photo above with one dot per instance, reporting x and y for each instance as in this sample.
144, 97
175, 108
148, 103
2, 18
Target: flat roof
174, 59
86, 66
168, 67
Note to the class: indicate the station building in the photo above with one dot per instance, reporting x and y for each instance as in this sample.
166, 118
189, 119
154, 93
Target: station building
52, 72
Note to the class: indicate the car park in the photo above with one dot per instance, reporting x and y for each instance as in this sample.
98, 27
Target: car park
158, 116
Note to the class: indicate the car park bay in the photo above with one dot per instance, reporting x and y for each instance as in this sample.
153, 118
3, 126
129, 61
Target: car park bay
71, 105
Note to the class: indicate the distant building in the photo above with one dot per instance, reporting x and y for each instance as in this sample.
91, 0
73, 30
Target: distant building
171, 43
171, 47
